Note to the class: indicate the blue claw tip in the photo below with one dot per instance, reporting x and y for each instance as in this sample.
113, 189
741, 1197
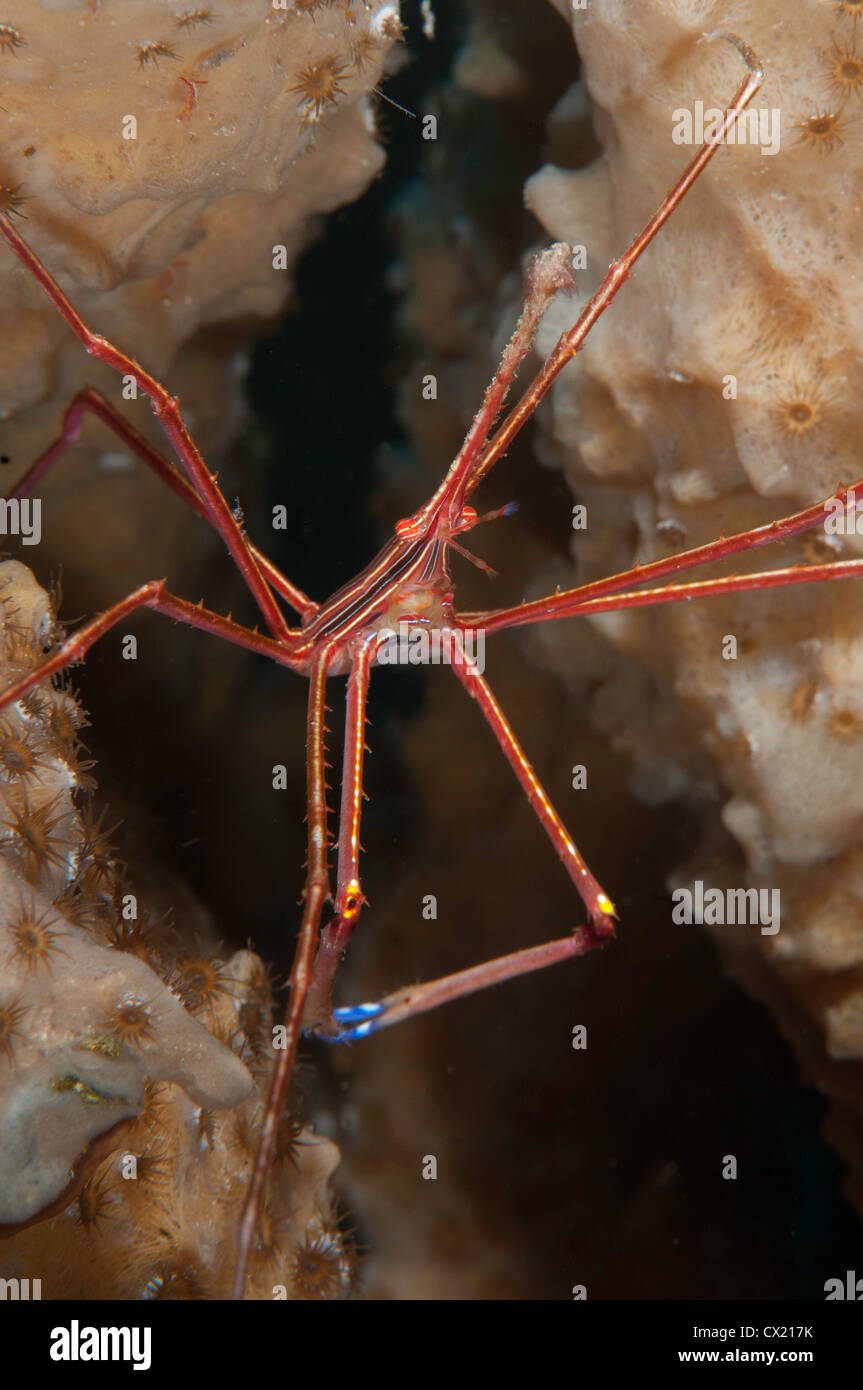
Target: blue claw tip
361, 1030
358, 1013
362, 1016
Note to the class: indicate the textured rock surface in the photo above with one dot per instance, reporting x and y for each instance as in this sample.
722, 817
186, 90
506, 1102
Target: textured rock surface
173, 228
249, 124
107, 1016
752, 279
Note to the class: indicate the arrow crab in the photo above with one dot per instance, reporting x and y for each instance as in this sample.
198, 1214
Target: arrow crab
407, 589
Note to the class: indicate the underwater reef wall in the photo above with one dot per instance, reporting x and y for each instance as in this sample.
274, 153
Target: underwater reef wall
723, 390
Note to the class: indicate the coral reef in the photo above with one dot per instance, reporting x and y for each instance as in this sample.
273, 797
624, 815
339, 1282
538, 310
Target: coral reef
183, 162
721, 392
132, 1062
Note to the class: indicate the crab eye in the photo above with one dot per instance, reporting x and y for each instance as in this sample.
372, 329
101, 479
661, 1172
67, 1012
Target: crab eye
468, 516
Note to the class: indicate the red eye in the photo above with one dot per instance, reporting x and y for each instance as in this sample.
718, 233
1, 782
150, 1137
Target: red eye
468, 516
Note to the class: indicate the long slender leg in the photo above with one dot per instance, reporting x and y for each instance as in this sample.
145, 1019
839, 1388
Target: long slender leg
599, 906
167, 409
90, 399
349, 895
730, 584
544, 610
317, 890
572, 601
152, 595
363, 1019
74, 648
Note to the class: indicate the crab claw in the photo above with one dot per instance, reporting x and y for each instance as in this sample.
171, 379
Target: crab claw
363, 1017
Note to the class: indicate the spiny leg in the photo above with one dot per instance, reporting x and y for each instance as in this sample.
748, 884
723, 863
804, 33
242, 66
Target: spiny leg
349, 895
90, 399
599, 906
583, 599
363, 1019
76, 647
317, 890
167, 410
152, 595
707, 588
